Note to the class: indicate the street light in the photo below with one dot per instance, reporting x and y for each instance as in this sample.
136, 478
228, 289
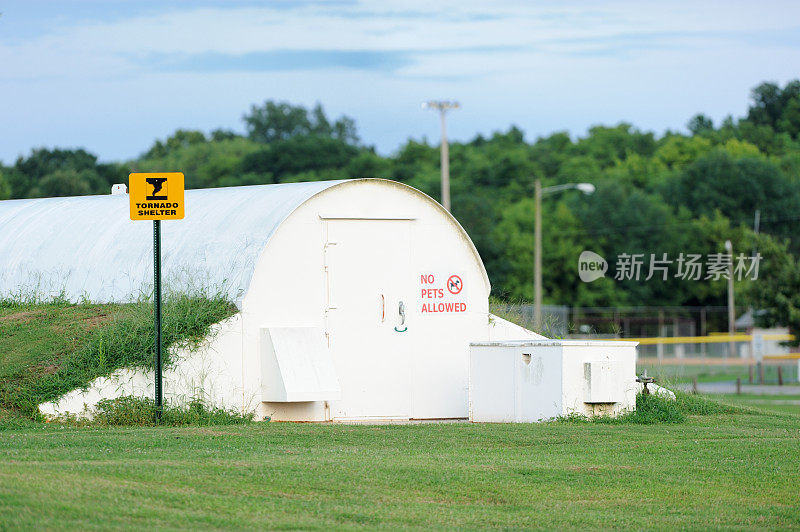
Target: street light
586, 188
443, 106
731, 309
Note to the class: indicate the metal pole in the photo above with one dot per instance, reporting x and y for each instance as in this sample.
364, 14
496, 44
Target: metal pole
157, 312
731, 309
537, 258
445, 163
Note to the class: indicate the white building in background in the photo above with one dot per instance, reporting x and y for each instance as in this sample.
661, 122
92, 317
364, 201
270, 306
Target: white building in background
357, 299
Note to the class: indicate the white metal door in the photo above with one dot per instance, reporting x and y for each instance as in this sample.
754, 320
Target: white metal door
367, 263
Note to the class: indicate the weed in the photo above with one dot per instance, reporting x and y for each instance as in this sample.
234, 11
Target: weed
141, 411
651, 409
521, 313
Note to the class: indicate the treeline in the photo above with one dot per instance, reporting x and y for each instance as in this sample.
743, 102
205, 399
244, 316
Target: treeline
668, 194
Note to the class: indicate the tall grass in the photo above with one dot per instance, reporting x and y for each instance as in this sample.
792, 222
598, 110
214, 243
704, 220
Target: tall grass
141, 411
551, 326
652, 409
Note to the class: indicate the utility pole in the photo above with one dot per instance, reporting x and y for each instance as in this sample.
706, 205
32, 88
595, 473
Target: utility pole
443, 106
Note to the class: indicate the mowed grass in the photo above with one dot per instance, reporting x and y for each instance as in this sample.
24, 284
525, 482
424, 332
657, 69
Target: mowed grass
34, 339
788, 404
697, 465
716, 471
720, 373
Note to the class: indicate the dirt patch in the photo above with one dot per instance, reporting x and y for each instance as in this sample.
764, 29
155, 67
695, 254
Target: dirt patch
86, 324
47, 369
24, 316
485, 467
212, 432
95, 321
598, 468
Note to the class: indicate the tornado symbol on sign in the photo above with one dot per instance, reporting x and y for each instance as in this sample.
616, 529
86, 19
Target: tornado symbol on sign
454, 284
158, 184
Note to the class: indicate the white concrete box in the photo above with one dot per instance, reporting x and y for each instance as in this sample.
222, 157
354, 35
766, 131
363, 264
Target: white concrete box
535, 380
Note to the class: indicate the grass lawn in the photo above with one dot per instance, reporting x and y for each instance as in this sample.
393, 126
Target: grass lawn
789, 404
719, 373
729, 468
722, 470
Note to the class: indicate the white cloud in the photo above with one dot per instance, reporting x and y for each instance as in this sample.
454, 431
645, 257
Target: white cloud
542, 65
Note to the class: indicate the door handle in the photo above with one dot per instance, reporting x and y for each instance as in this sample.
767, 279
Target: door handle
401, 309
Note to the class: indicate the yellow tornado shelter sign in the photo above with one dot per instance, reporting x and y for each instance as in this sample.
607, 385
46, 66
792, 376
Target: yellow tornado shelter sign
156, 196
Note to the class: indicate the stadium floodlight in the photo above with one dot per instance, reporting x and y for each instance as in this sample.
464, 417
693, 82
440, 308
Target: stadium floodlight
443, 106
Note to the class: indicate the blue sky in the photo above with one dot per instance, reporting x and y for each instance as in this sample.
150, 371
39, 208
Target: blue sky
113, 76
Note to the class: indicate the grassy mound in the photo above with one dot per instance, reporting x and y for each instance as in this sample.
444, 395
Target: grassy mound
49, 349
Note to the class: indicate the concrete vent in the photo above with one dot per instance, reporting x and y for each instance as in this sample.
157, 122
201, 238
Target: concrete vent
602, 382
119, 189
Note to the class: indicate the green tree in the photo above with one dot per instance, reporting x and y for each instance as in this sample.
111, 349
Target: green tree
67, 182
274, 121
205, 164
417, 164
549, 153
5, 188
700, 124
776, 292
284, 158
677, 151
777, 108
737, 188
182, 138
29, 171
369, 164
620, 220
608, 145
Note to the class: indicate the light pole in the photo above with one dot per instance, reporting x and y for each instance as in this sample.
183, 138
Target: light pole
731, 309
586, 188
443, 106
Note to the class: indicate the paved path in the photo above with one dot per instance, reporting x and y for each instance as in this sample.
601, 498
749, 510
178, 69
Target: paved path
730, 387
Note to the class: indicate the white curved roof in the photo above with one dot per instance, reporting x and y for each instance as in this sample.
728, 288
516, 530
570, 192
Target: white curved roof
88, 246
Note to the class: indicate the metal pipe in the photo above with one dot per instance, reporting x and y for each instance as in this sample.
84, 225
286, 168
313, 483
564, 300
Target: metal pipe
731, 309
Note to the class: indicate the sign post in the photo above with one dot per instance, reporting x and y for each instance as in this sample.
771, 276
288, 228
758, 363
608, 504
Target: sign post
157, 196
159, 389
